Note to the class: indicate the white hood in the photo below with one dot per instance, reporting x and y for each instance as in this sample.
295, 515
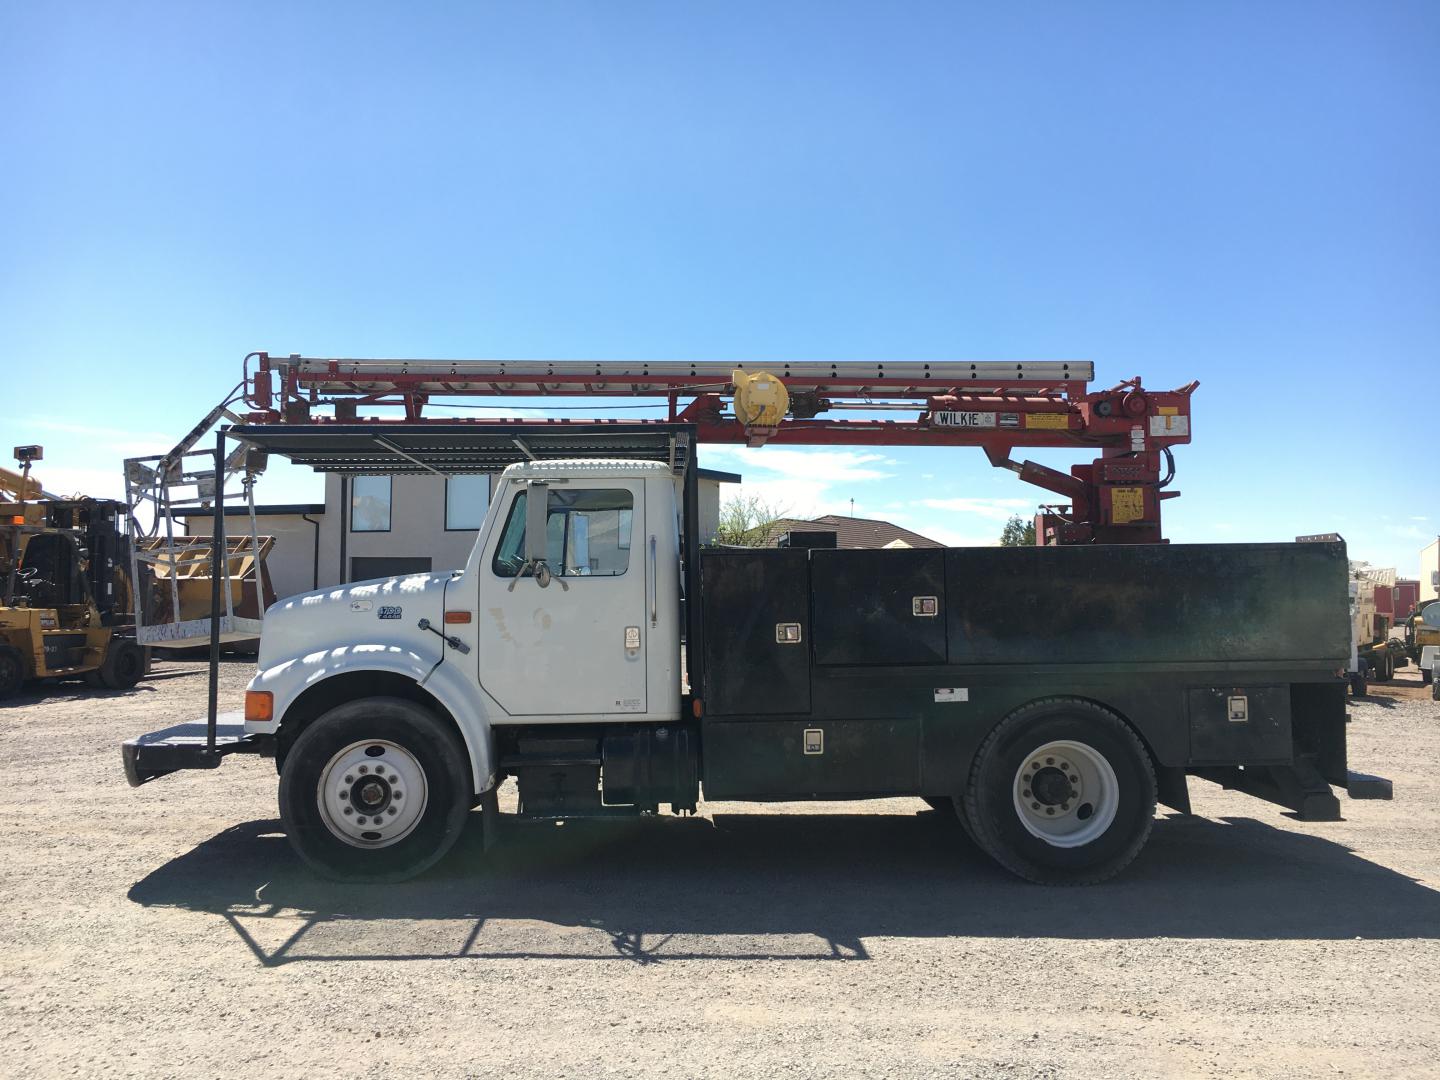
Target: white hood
386, 610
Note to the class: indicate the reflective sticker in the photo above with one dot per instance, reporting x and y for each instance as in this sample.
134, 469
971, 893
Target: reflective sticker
950, 695
1047, 420
1170, 426
1127, 504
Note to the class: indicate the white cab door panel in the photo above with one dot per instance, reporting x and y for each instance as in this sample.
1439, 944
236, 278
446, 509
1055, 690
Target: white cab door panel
577, 646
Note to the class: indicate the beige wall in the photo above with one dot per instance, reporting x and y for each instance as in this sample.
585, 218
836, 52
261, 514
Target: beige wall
291, 561
1429, 566
708, 492
417, 528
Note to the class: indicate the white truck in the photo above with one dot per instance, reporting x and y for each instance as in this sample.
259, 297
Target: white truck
1048, 696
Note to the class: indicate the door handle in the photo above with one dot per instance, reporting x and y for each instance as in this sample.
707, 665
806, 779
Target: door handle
654, 586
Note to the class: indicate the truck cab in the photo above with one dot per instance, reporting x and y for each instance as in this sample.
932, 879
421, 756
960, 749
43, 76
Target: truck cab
532, 640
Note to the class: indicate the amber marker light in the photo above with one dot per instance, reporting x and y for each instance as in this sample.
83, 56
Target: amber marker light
454, 617
259, 705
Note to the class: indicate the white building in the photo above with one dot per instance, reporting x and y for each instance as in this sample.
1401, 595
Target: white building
1430, 571
378, 526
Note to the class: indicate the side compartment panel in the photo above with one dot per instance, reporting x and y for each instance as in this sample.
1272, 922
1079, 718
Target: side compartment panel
797, 759
747, 595
879, 607
1149, 603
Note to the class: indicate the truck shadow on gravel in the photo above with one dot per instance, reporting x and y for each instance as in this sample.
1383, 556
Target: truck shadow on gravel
776, 886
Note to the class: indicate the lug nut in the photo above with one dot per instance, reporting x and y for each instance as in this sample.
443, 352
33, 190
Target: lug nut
349, 810
343, 795
391, 811
1034, 806
1065, 806
397, 794
1048, 810
1048, 761
363, 769
360, 820
349, 779
1026, 793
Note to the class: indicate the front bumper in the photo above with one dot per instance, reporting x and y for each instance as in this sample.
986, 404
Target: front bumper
187, 746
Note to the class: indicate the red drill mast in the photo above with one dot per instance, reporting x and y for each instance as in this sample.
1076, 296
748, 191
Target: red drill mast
994, 405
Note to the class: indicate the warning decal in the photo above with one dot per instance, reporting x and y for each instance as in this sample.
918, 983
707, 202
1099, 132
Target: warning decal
1127, 504
1058, 420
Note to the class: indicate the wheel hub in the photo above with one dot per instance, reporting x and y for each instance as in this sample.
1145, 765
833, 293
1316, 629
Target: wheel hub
372, 794
1066, 794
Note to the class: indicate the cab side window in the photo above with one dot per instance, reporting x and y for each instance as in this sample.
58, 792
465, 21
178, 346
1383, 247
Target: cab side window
587, 534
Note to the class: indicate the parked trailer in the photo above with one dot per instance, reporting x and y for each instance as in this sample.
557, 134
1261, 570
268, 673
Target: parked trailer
1050, 696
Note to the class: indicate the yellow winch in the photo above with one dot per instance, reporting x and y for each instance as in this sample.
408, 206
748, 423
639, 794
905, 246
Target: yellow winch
761, 399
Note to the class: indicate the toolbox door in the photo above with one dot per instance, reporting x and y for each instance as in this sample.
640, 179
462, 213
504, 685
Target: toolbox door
757, 631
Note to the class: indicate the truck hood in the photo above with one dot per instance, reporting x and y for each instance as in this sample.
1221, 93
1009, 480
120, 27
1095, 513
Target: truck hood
383, 611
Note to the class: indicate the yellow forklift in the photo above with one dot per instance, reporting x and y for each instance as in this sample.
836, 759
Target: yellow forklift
67, 606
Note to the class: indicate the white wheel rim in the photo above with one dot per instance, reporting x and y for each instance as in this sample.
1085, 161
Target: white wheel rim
1066, 794
372, 794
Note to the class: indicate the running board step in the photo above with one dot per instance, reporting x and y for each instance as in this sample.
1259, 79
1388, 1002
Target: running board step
1359, 785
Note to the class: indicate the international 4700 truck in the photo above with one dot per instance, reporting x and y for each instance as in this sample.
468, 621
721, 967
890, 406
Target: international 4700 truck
1049, 697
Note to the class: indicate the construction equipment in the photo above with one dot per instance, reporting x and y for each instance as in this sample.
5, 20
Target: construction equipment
997, 406
1424, 644
67, 604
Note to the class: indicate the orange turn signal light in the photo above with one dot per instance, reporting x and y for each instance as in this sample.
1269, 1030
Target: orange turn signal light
457, 616
259, 705
18, 519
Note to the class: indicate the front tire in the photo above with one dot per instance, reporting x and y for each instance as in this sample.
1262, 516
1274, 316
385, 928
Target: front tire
1062, 792
124, 664
12, 672
375, 790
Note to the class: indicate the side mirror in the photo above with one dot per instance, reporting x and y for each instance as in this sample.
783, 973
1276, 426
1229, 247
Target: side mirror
536, 522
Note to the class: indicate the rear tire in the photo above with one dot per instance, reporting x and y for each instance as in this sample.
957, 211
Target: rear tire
375, 790
124, 664
12, 671
1062, 792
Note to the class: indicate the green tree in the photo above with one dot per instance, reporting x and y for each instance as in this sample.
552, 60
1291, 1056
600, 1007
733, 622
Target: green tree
1018, 533
746, 520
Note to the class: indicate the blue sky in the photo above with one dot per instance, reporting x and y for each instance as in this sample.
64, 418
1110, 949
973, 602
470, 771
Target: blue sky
1240, 193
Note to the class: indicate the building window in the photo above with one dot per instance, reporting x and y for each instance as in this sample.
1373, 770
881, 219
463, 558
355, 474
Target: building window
466, 498
587, 534
370, 504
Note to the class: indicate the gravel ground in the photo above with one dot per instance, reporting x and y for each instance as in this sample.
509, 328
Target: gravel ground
169, 930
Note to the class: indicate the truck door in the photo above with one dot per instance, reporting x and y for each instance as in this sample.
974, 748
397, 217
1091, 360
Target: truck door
573, 646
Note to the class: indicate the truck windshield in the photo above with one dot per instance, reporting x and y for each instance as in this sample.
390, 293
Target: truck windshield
587, 534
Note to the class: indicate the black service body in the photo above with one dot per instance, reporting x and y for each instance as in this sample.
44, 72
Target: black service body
907, 658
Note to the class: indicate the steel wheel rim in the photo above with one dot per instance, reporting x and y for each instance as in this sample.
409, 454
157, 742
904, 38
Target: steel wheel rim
372, 794
1066, 794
